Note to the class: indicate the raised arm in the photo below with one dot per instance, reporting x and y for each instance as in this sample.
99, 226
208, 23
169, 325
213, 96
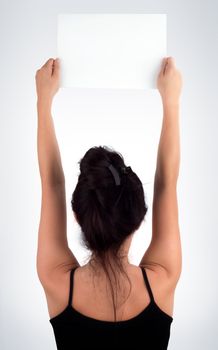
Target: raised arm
164, 252
53, 254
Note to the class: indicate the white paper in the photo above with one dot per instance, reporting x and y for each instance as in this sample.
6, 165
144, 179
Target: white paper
118, 51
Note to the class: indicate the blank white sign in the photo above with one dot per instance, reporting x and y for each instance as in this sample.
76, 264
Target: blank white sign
118, 51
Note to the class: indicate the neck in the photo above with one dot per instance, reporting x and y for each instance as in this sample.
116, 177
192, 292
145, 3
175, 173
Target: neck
96, 265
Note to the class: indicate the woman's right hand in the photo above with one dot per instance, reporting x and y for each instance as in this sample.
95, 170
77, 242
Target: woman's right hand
169, 82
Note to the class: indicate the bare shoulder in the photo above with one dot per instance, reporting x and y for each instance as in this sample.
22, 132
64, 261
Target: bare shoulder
156, 273
56, 289
163, 287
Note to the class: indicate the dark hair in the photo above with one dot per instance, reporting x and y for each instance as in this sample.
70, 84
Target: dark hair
107, 213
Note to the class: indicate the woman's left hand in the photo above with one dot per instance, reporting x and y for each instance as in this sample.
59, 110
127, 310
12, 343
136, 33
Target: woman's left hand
48, 79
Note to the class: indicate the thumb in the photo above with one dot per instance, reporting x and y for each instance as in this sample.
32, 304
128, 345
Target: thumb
167, 63
56, 67
164, 65
170, 62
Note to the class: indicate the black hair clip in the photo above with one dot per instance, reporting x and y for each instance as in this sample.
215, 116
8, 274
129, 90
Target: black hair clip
115, 174
126, 170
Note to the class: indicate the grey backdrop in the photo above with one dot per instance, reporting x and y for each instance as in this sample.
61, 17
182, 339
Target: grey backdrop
27, 39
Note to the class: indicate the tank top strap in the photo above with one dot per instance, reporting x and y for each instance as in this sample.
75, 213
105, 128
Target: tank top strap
71, 285
147, 283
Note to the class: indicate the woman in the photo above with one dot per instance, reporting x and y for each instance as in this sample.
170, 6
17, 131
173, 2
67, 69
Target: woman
109, 302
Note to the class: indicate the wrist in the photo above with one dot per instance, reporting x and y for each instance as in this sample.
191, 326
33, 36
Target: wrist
44, 102
168, 104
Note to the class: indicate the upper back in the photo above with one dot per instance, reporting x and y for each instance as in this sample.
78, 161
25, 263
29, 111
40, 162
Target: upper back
149, 307
92, 299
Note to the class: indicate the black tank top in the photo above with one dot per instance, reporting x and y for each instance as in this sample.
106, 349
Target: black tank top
150, 329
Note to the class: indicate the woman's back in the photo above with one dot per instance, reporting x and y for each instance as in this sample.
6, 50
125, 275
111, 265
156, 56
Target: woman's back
148, 309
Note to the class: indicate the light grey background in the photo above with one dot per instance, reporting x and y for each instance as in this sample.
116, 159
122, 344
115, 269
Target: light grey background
128, 121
